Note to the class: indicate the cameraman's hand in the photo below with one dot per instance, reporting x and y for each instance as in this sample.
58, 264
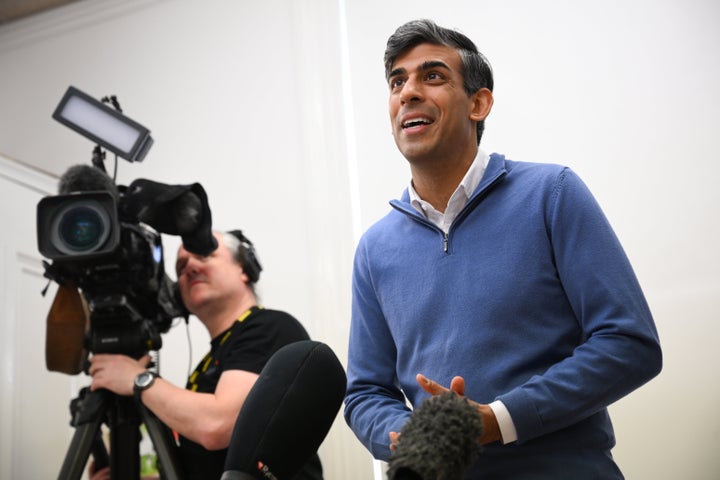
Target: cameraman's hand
94, 474
116, 372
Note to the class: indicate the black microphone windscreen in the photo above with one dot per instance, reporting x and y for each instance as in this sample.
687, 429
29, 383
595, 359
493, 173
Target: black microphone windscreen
287, 413
439, 440
84, 178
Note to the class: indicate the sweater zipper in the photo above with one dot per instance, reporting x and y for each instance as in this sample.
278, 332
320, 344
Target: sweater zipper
414, 215
472, 203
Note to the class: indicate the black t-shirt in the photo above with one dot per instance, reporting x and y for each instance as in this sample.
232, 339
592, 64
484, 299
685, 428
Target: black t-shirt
247, 345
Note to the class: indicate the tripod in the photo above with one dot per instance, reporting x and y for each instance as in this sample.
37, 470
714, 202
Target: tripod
123, 416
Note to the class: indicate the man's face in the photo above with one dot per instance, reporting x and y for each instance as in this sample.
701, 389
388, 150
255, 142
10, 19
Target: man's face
430, 111
216, 277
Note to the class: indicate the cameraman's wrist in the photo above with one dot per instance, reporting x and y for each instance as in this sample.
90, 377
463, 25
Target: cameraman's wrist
142, 382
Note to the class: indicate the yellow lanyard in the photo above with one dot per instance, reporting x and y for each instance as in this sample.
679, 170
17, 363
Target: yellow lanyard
207, 361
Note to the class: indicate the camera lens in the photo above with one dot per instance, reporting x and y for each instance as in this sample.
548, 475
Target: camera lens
80, 227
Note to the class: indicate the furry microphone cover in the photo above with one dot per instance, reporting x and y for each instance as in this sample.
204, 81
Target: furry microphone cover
439, 441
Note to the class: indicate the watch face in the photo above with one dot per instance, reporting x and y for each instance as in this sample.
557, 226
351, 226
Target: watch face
144, 379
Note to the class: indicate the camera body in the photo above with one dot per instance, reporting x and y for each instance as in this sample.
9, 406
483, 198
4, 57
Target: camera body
116, 264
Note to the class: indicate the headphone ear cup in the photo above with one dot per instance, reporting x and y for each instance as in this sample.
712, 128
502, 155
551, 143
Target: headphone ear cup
253, 267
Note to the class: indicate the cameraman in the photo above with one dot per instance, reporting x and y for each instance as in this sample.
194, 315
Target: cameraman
219, 290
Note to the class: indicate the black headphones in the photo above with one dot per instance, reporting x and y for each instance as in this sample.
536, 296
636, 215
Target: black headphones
251, 265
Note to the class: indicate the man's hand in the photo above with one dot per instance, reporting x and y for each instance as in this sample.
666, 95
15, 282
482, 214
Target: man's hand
491, 430
116, 372
94, 474
457, 385
394, 439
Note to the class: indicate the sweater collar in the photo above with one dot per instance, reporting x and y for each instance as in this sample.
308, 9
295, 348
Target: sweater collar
496, 168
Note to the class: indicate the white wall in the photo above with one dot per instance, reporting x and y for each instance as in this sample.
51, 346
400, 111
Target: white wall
24, 383
249, 99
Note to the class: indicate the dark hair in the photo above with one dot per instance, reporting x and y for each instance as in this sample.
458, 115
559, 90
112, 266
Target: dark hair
476, 69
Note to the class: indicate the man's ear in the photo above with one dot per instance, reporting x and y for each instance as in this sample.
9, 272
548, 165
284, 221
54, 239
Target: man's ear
482, 102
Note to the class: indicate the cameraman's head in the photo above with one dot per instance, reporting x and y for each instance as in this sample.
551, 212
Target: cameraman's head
221, 282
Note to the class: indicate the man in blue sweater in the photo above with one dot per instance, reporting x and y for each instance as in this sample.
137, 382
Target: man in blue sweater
500, 280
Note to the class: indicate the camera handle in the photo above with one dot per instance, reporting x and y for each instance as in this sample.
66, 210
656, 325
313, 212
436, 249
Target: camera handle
123, 416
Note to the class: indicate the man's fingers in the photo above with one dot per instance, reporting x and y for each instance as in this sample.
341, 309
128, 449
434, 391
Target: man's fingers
457, 385
394, 438
145, 360
430, 386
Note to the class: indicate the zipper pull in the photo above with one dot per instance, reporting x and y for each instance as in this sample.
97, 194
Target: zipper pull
445, 242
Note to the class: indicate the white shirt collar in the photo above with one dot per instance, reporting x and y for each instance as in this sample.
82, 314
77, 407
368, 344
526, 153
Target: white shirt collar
459, 197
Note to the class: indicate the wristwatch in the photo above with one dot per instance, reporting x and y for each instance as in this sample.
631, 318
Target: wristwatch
143, 382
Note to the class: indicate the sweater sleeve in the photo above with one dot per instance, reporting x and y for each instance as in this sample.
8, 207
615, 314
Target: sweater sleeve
374, 404
619, 349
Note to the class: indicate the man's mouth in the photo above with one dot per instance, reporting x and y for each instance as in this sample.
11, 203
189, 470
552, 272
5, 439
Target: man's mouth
416, 122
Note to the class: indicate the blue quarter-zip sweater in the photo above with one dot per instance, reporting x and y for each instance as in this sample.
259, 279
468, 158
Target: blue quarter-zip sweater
530, 297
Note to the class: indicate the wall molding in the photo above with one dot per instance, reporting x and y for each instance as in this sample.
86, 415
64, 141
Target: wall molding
27, 176
66, 19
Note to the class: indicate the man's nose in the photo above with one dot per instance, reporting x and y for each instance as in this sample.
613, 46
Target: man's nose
192, 265
412, 91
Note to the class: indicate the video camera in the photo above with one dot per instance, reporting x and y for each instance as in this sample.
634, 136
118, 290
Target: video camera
118, 266
104, 242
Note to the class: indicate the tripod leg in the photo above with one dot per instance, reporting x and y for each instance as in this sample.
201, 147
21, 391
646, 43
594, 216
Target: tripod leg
124, 423
164, 444
87, 419
90, 410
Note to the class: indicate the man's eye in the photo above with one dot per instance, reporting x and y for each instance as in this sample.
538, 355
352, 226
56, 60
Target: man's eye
396, 82
433, 76
179, 268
